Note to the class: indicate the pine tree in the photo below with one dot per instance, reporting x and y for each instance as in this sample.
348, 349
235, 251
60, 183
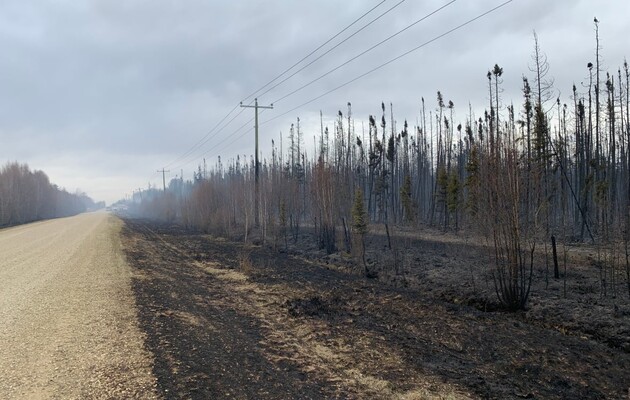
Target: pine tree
452, 196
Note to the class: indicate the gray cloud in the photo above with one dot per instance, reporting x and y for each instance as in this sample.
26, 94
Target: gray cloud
100, 94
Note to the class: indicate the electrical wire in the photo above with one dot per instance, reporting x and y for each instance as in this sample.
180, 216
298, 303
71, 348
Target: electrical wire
366, 51
468, 22
208, 136
337, 45
193, 155
216, 145
216, 149
456, 28
332, 48
318, 48
199, 143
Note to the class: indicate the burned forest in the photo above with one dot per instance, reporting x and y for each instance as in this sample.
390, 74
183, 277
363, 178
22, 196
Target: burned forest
534, 180
513, 222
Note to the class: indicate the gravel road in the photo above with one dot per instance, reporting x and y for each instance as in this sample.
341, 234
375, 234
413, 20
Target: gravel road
68, 323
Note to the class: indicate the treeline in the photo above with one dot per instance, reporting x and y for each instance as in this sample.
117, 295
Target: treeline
27, 196
518, 174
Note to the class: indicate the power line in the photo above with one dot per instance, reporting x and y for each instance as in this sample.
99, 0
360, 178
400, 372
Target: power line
199, 143
209, 135
225, 138
345, 63
216, 149
458, 27
192, 156
317, 49
392, 60
332, 48
367, 51
343, 41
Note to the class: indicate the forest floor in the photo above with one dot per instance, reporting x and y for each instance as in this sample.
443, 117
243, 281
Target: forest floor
225, 319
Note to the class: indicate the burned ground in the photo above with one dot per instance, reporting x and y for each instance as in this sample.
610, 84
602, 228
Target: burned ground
228, 320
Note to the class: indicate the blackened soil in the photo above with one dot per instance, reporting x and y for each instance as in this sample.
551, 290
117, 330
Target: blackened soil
203, 348
226, 320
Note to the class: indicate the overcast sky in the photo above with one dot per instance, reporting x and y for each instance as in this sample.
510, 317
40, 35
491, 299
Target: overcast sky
100, 93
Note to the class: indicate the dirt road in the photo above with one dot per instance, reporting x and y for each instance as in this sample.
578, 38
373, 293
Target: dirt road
68, 325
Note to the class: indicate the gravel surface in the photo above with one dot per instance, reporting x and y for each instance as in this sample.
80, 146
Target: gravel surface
68, 323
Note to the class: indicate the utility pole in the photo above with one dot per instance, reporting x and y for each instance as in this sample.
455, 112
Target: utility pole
257, 166
163, 178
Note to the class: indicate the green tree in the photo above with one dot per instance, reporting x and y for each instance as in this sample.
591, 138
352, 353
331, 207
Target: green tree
452, 195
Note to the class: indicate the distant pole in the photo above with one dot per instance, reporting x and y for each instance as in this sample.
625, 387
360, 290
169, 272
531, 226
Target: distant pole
163, 171
256, 166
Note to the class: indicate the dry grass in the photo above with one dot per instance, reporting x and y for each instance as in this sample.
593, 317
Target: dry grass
245, 264
213, 268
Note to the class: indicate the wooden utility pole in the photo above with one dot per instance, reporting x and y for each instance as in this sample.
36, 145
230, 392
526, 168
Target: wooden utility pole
256, 166
163, 178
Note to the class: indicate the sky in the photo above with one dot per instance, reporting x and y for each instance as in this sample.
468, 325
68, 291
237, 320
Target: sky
101, 94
